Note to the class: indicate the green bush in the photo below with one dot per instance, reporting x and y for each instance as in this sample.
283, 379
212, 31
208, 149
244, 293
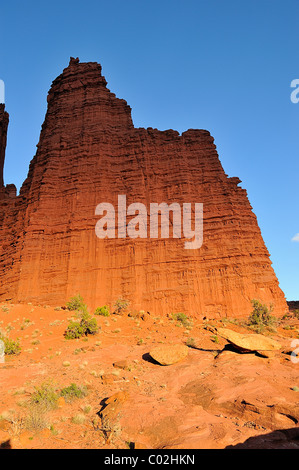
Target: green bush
104, 311
45, 396
74, 330
89, 325
86, 326
76, 303
182, 318
215, 339
120, 305
72, 392
260, 316
10, 346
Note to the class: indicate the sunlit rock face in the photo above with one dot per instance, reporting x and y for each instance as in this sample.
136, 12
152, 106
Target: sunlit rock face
89, 152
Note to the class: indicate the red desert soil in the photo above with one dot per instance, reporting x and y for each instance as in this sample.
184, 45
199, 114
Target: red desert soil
207, 400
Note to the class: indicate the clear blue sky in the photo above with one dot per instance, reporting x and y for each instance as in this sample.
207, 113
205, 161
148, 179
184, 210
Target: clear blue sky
225, 66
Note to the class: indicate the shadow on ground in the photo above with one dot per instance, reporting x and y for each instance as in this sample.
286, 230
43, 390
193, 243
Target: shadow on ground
279, 439
5, 445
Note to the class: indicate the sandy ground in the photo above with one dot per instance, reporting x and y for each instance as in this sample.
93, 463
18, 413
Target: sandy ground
214, 398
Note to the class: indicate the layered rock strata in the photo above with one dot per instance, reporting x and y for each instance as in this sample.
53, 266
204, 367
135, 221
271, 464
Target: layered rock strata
89, 152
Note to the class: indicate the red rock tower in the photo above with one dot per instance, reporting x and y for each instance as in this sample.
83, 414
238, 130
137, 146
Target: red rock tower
89, 152
4, 118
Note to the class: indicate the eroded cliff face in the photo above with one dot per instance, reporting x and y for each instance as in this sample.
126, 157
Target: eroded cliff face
89, 152
4, 118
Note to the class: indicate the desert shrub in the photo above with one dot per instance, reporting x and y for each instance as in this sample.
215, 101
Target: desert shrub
53, 430
260, 316
36, 419
86, 409
76, 303
104, 311
78, 328
181, 318
78, 419
89, 324
120, 305
10, 346
72, 392
74, 330
45, 396
215, 339
288, 327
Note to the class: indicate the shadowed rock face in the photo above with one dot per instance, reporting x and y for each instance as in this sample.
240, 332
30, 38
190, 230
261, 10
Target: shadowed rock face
89, 152
3, 136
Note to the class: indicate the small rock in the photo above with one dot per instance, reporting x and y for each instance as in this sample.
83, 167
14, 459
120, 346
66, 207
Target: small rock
110, 411
121, 364
108, 378
119, 397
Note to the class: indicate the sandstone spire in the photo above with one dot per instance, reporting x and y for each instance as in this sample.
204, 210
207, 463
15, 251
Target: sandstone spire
89, 152
4, 118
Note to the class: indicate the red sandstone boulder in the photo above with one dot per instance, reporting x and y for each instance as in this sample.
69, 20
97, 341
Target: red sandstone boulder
169, 354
